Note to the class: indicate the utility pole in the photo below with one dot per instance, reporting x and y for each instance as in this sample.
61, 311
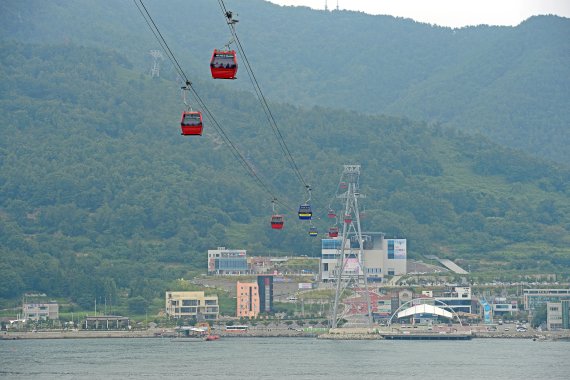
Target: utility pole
357, 273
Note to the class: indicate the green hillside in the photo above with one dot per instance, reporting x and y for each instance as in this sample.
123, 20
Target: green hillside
99, 193
507, 83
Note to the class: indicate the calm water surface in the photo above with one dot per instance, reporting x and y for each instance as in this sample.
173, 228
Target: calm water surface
283, 358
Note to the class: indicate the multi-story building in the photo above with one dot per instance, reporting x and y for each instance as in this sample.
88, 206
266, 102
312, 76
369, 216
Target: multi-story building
565, 304
382, 257
456, 298
192, 305
265, 286
247, 299
502, 306
553, 316
227, 261
534, 298
558, 315
40, 311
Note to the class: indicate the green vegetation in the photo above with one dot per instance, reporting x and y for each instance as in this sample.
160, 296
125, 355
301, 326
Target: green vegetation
102, 199
510, 84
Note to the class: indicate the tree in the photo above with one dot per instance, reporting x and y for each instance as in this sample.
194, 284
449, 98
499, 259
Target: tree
138, 305
539, 316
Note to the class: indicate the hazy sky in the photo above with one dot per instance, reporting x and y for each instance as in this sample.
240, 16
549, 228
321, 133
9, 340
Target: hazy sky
453, 13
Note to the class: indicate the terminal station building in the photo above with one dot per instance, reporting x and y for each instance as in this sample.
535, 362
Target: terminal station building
382, 257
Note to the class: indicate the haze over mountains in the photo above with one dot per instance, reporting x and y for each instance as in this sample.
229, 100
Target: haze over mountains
97, 186
510, 84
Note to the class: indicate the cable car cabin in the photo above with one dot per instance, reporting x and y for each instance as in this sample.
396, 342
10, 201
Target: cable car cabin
305, 212
313, 231
348, 219
333, 232
343, 185
331, 214
277, 222
223, 64
191, 123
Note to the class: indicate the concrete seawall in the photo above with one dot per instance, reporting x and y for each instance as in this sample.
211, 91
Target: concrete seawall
338, 334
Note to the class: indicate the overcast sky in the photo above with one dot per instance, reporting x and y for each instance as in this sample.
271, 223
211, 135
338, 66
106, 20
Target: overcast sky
452, 13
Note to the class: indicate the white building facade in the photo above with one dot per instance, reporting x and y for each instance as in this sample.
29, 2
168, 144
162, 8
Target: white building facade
41, 311
381, 257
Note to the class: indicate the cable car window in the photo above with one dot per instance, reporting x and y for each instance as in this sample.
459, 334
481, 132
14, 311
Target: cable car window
191, 119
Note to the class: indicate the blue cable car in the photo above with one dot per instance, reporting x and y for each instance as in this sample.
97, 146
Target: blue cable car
313, 231
305, 212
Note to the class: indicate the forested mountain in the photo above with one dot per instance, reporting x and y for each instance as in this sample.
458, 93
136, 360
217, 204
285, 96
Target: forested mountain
100, 194
510, 84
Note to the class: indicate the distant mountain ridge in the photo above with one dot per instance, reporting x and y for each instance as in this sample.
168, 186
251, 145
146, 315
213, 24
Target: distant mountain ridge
508, 83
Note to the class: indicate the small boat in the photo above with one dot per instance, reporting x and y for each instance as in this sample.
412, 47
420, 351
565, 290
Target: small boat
190, 334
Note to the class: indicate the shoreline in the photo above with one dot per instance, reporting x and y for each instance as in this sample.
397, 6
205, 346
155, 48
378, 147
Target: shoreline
346, 334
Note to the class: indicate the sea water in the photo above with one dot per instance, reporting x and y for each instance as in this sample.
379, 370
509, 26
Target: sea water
283, 358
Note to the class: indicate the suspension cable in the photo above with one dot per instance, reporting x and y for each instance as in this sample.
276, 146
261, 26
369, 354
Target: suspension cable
188, 87
261, 97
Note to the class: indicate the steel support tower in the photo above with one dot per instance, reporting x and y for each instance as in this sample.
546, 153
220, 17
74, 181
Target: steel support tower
350, 227
155, 70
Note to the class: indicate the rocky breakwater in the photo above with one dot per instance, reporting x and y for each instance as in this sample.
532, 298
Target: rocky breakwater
350, 334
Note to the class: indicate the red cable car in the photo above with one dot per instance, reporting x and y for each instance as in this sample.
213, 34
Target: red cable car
277, 222
223, 64
331, 214
343, 185
348, 219
333, 232
191, 123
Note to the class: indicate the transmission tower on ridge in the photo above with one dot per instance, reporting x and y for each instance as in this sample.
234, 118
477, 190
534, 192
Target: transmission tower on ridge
155, 70
350, 266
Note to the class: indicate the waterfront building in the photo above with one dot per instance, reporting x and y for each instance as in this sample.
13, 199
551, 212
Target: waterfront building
40, 311
456, 298
265, 287
382, 257
502, 307
553, 316
192, 305
247, 299
106, 322
565, 314
534, 298
227, 261
558, 315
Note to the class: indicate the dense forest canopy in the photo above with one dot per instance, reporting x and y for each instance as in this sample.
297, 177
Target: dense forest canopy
507, 83
99, 193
